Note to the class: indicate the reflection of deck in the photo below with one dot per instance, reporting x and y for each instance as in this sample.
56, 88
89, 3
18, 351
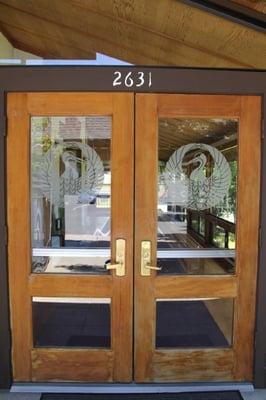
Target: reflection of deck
180, 266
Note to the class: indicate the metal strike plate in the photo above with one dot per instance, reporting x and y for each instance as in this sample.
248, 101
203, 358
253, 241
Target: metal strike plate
120, 262
146, 258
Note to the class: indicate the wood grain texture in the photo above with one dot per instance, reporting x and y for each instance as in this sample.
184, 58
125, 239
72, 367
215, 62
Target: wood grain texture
195, 286
70, 285
40, 45
122, 192
18, 215
86, 365
248, 210
198, 106
172, 33
257, 5
145, 229
193, 365
74, 103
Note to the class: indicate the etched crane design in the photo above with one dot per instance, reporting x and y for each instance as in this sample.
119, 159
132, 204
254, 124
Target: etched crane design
84, 179
70, 181
196, 190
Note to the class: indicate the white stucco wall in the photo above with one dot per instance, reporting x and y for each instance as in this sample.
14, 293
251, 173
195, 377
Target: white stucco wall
6, 49
8, 52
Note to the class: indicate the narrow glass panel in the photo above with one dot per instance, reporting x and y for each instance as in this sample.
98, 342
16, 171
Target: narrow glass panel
197, 188
193, 323
70, 192
71, 322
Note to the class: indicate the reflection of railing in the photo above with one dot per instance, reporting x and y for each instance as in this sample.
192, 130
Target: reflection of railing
206, 224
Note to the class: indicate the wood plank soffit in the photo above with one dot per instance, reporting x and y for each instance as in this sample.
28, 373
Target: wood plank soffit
169, 34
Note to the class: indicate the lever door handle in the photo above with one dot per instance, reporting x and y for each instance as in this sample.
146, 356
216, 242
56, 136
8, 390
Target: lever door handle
108, 265
120, 262
146, 259
150, 267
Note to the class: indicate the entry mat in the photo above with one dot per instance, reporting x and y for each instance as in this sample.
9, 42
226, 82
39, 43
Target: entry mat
228, 395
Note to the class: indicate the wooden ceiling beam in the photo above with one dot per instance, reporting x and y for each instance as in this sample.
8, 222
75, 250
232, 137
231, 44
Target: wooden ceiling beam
40, 45
259, 5
194, 27
138, 33
36, 37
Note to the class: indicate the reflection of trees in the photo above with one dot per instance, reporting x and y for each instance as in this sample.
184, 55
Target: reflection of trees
41, 140
227, 208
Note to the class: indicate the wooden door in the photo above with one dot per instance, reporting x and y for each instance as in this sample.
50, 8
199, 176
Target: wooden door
70, 220
197, 224
70, 210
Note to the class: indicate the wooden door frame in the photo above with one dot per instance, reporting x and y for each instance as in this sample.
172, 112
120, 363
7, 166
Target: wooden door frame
165, 80
95, 364
157, 364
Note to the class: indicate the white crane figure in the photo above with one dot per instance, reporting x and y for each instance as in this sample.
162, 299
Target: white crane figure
196, 191
70, 180
74, 180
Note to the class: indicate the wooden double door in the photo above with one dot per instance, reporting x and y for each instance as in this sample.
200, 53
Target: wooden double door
133, 225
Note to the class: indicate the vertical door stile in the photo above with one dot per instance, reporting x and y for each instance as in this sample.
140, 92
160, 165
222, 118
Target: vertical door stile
247, 234
122, 225
19, 234
145, 214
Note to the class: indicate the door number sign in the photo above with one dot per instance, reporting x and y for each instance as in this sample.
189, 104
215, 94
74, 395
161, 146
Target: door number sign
130, 79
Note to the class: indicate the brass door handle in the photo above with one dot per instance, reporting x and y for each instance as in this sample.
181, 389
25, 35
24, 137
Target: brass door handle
120, 262
150, 267
146, 259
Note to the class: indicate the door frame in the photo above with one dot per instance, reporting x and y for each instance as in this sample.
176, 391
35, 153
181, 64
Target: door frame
36, 363
168, 364
164, 80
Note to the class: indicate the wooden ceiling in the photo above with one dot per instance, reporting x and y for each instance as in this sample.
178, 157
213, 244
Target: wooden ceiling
161, 32
258, 5
177, 132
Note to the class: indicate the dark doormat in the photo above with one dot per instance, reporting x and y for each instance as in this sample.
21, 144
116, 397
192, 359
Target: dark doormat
230, 395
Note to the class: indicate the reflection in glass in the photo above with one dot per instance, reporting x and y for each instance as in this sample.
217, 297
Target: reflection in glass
195, 266
70, 189
231, 240
71, 322
194, 323
197, 184
218, 236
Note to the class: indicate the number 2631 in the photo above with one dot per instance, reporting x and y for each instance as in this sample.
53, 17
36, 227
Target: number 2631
139, 79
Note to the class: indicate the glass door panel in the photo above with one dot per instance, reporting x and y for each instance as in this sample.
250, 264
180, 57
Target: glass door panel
70, 245
197, 192
71, 194
196, 236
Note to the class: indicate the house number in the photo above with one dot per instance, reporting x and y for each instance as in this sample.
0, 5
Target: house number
129, 80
